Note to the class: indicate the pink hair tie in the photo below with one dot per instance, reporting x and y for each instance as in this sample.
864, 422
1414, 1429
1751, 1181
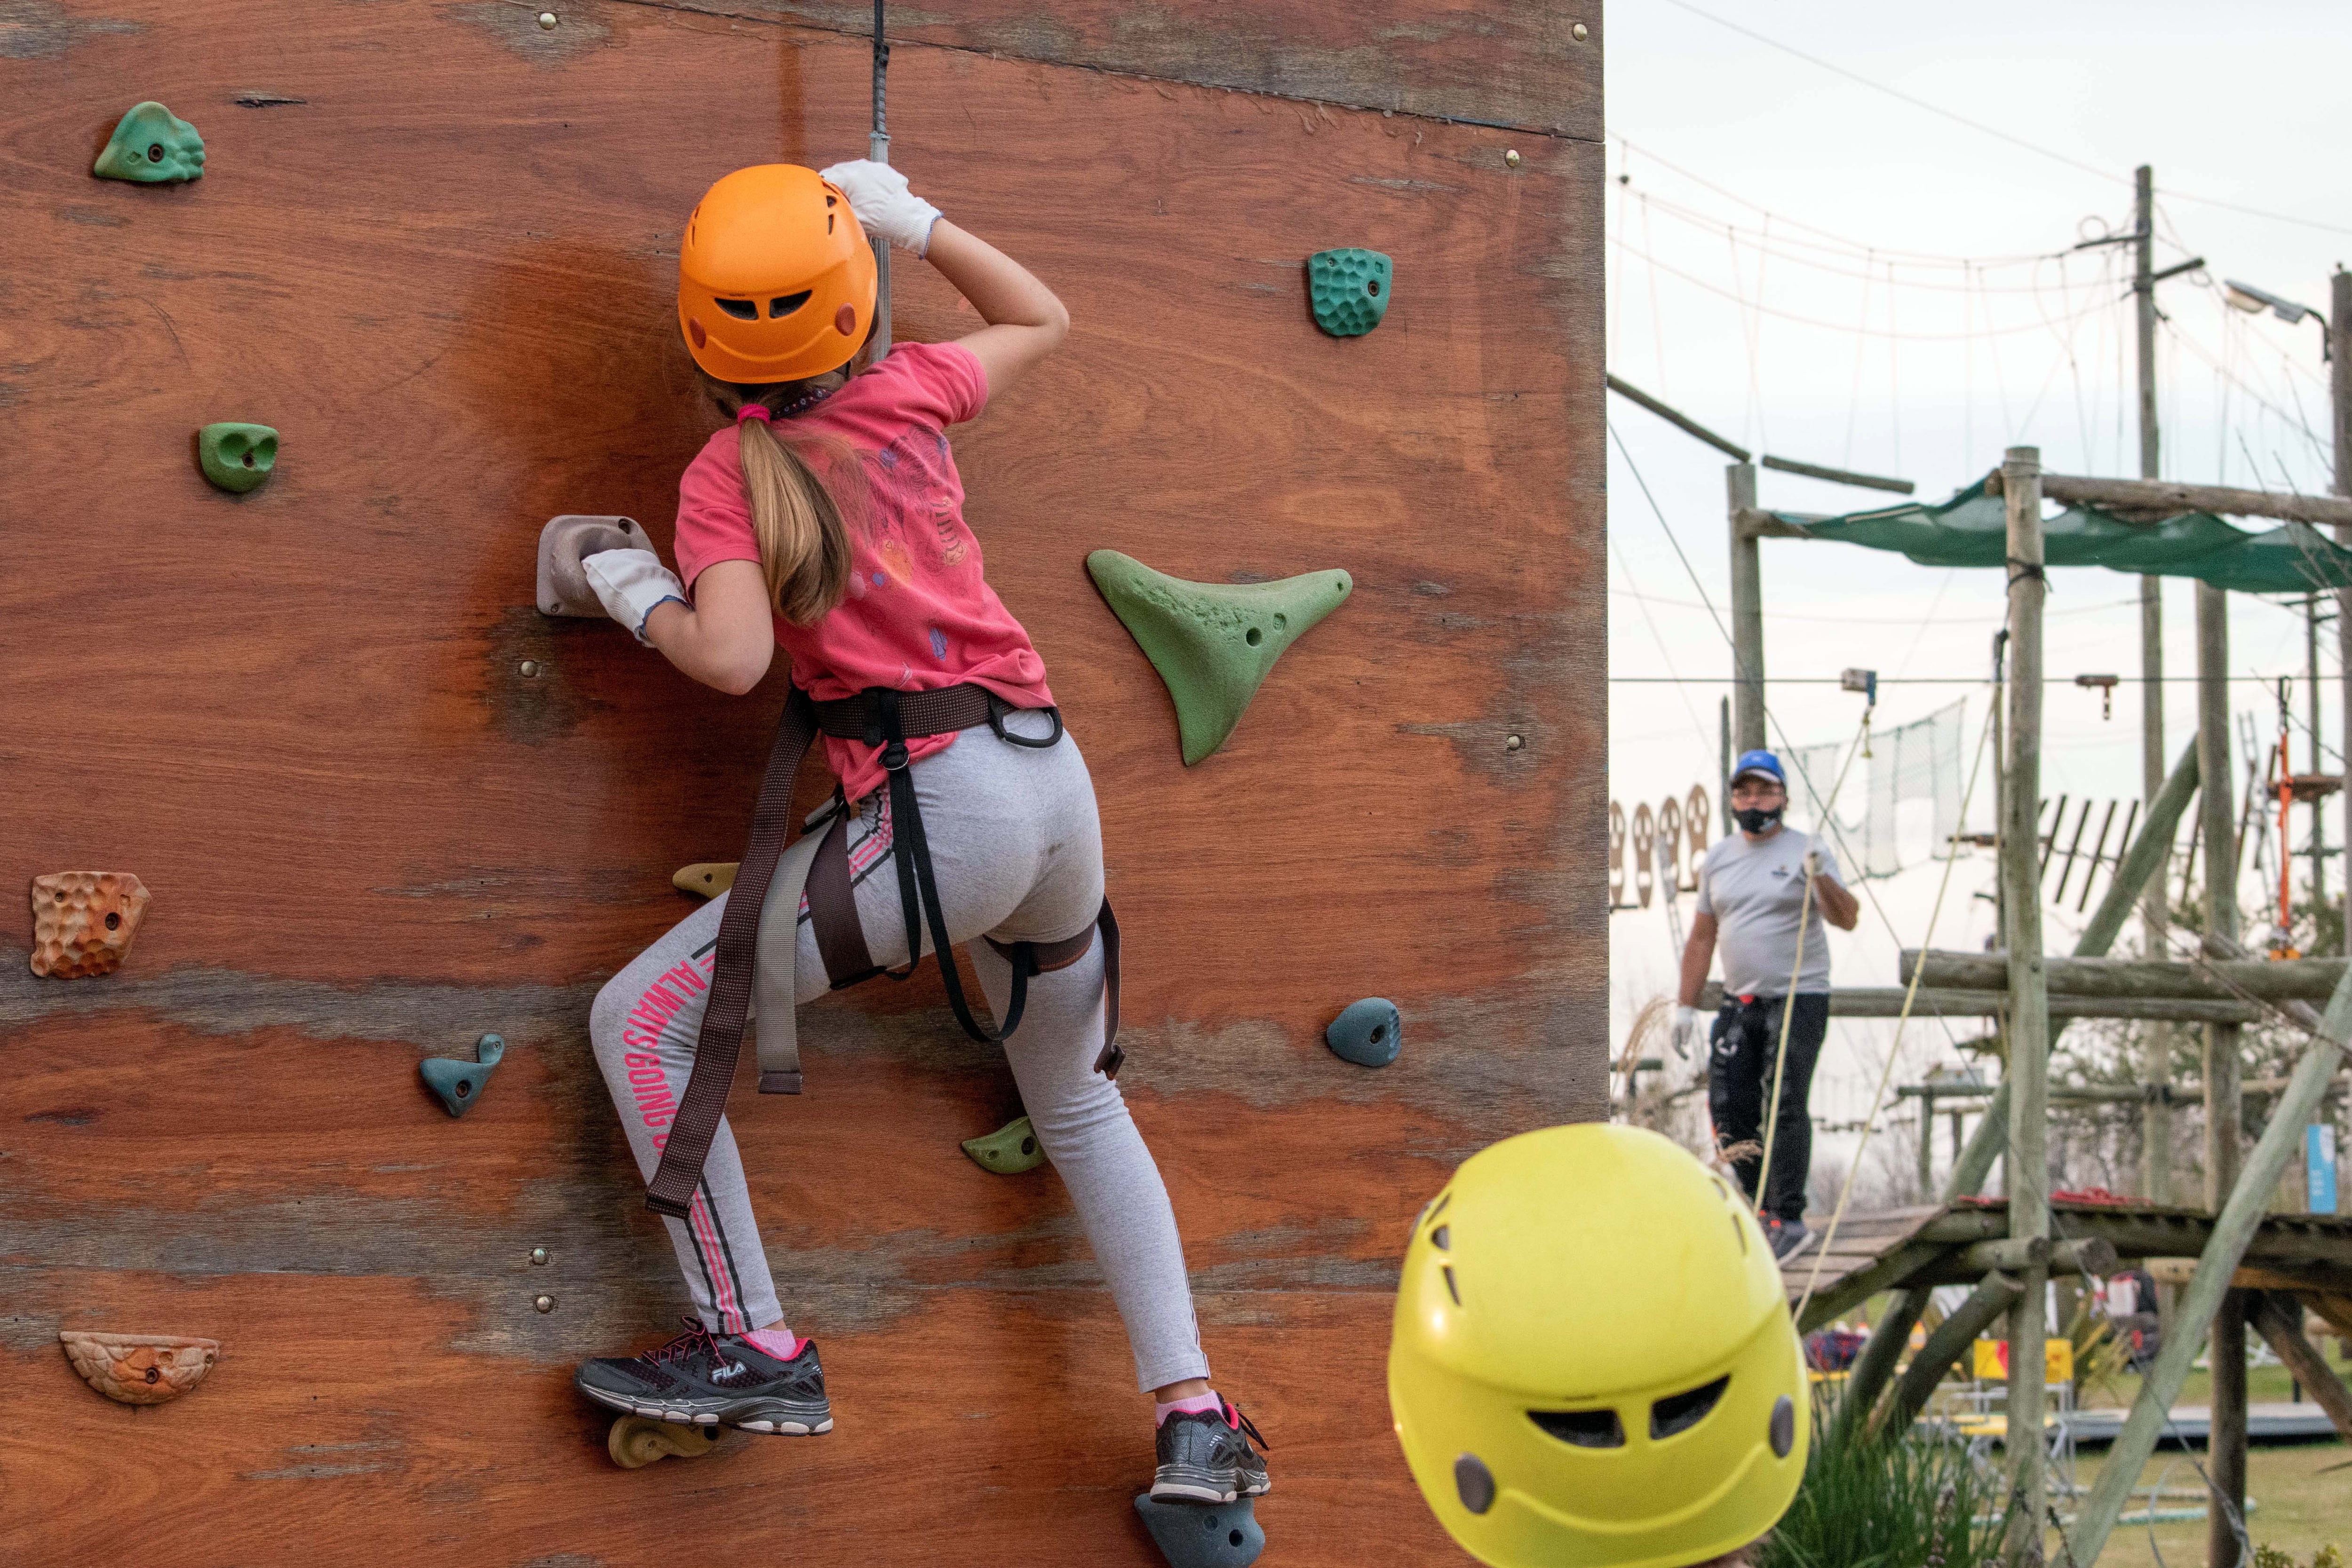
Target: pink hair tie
754, 410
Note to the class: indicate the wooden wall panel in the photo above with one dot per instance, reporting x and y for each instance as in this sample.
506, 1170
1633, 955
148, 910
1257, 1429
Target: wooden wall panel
445, 276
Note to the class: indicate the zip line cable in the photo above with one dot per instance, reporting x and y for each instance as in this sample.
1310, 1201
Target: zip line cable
1979, 126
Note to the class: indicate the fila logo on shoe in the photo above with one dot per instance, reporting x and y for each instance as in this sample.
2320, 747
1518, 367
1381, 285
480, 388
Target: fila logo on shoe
729, 1371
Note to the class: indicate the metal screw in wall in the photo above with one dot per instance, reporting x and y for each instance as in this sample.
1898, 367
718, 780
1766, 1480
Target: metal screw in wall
528, 669
544, 1303
1578, 33
539, 1254
1511, 157
547, 19
1512, 743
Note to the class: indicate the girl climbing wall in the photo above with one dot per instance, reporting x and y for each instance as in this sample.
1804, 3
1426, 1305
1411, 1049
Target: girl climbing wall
827, 519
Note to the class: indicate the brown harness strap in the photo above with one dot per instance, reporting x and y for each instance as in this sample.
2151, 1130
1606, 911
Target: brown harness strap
833, 911
719, 1044
1044, 957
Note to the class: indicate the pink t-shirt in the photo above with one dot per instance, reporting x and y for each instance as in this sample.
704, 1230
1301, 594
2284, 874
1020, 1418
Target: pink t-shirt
918, 616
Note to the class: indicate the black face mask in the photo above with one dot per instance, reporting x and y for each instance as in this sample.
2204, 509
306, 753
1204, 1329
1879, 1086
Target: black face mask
1756, 820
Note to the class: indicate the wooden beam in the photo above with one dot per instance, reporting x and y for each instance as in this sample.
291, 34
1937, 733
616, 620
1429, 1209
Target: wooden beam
2153, 500
1886, 1002
1839, 476
1746, 615
1757, 523
2216, 979
1994, 1295
1679, 419
2278, 1317
1868, 1377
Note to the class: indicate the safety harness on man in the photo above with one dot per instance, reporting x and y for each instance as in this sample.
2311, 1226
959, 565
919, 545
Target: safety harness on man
818, 863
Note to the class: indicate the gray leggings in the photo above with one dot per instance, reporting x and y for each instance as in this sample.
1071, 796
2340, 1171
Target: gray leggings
1018, 853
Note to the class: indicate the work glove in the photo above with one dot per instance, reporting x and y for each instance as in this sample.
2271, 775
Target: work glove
887, 209
629, 583
1687, 1031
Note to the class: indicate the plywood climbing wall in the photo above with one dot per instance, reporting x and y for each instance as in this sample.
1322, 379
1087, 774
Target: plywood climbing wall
383, 806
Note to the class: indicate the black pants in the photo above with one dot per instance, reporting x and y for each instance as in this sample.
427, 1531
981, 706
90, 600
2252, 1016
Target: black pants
1746, 1041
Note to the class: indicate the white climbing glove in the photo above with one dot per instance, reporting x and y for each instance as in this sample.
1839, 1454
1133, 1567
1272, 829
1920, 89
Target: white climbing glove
1687, 1031
878, 196
630, 583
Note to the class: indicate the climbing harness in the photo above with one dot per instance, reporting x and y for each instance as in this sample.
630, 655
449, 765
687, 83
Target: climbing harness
763, 915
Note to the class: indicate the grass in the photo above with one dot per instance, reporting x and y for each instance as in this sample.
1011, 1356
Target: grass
2301, 1506
1866, 1503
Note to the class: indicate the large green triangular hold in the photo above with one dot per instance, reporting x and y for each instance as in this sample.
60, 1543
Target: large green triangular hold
1212, 643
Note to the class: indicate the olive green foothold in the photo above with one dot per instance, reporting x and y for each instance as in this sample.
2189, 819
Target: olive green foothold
1212, 643
459, 1084
637, 1441
1348, 290
1008, 1151
237, 457
151, 145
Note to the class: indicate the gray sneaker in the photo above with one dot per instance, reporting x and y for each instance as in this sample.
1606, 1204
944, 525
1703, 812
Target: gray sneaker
711, 1380
1787, 1237
1205, 1457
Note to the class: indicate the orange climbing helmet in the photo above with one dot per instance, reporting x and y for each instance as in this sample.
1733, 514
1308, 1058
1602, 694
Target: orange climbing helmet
775, 282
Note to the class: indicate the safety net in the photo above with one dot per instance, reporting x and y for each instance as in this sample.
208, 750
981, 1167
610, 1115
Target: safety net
1915, 761
1972, 530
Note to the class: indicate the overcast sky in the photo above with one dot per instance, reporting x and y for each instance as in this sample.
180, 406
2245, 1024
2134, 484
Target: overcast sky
1824, 272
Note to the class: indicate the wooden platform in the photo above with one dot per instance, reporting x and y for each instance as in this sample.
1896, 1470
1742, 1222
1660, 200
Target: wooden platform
1889, 1248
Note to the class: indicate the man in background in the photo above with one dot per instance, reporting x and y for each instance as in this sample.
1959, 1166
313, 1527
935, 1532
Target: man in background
1764, 892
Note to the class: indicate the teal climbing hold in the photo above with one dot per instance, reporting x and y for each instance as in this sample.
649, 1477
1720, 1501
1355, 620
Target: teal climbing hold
151, 145
237, 457
1348, 290
1369, 1033
459, 1084
1008, 1151
1203, 1534
1213, 643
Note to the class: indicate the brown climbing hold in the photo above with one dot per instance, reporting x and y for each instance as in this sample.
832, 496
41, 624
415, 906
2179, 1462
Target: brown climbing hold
139, 1368
83, 922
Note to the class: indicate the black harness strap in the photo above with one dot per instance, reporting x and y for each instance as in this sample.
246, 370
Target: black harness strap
887, 719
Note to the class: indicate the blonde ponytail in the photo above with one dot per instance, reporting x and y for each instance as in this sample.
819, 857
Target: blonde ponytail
803, 533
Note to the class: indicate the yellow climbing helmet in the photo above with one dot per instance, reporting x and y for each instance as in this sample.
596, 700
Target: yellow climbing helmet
775, 281
1592, 1364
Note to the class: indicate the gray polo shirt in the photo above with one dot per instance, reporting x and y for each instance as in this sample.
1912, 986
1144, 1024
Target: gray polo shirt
1754, 892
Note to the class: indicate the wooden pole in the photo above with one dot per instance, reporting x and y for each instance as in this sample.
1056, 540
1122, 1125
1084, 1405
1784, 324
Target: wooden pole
2278, 1317
2156, 917
2339, 384
1747, 615
2028, 1073
2200, 1300
2282, 980
1876, 1363
2153, 500
2227, 1450
1994, 1295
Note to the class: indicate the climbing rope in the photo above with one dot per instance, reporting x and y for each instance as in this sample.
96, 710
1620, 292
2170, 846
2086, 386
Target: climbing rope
878, 147
1903, 1019
1804, 919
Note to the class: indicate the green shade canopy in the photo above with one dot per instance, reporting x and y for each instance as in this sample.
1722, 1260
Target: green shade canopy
1971, 529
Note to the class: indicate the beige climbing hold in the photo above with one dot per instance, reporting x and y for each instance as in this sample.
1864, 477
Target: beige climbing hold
139, 1368
637, 1441
83, 922
705, 879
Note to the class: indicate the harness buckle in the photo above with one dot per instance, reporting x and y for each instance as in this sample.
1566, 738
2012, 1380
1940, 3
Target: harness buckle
998, 708
894, 756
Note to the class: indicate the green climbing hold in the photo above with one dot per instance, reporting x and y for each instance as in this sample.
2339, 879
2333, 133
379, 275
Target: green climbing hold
152, 145
459, 1083
237, 456
1348, 290
1008, 1151
1212, 643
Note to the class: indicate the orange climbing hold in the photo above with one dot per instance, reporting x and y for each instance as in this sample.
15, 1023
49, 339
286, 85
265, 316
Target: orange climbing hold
139, 1368
83, 922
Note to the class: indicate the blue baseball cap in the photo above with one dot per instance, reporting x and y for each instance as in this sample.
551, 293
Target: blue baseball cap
1759, 762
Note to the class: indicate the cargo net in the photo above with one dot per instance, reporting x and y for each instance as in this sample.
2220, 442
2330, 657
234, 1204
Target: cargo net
1915, 761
